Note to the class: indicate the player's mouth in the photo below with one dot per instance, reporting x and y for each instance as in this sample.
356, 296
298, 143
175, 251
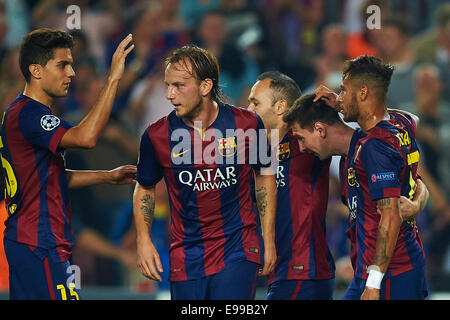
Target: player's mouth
66, 84
176, 106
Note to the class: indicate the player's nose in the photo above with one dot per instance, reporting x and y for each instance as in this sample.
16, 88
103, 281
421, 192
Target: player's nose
71, 72
170, 94
302, 146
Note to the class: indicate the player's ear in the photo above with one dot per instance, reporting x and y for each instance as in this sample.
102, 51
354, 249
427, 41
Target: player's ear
363, 93
281, 107
35, 70
206, 86
321, 129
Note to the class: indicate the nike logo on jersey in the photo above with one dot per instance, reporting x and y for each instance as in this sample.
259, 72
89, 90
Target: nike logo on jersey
176, 155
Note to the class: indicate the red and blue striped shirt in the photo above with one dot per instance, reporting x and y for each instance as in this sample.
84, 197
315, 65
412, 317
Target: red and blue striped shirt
381, 163
37, 195
214, 220
302, 198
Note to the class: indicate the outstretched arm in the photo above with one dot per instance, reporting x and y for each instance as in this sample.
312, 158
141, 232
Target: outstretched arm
83, 178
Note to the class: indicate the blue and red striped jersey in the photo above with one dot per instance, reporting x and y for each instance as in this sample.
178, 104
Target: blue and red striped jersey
402, 121
302, 198
37, 195
207, 174
381, 165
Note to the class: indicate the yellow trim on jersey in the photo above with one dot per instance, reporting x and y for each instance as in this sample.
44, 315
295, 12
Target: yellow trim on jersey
413, 157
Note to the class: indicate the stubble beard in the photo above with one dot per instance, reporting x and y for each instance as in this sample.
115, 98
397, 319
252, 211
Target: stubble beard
193, 112
352, 111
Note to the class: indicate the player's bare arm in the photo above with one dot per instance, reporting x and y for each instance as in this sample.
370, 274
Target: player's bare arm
388, 229
82, 178
410, 209
87, 132
148, 260
266, 197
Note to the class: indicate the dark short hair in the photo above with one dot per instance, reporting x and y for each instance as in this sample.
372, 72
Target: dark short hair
370, 71
204, 66
38, 48
283, 86
306, 113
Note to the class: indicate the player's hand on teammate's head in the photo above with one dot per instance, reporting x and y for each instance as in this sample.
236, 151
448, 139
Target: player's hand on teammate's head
328, 96
118, 59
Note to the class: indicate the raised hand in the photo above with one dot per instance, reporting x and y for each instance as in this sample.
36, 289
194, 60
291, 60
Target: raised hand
118, 59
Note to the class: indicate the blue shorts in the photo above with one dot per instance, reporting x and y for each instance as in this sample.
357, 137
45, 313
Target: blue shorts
36, 278
235, 282
301, 290
409, 285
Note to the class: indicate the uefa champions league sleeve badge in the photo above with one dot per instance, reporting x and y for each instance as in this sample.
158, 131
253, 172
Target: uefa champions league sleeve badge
49, 122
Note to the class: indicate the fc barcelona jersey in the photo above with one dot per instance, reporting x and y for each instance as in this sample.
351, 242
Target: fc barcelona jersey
207, 174
302, 197
399, 120
381, 164
37, 195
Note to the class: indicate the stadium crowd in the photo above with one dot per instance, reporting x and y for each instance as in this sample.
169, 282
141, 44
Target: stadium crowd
306, 39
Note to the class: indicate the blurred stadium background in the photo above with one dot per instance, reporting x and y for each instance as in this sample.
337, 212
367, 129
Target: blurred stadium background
306, 39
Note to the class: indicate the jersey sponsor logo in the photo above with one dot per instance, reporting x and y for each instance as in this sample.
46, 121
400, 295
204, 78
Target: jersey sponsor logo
49, 122
353, 206
382, 176
208, 179
280, 177
284, 151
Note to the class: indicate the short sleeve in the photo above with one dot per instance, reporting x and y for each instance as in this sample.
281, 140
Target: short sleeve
42, 128
262, 147
149, 170
382, 164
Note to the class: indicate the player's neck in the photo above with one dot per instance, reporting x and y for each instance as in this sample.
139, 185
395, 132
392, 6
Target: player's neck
280, 129
343, 134
372, 115
207, 115
36, 93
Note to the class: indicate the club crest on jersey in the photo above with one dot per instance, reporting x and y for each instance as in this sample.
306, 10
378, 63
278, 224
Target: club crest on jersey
227, 146
284, 151
351, 176
49, 122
